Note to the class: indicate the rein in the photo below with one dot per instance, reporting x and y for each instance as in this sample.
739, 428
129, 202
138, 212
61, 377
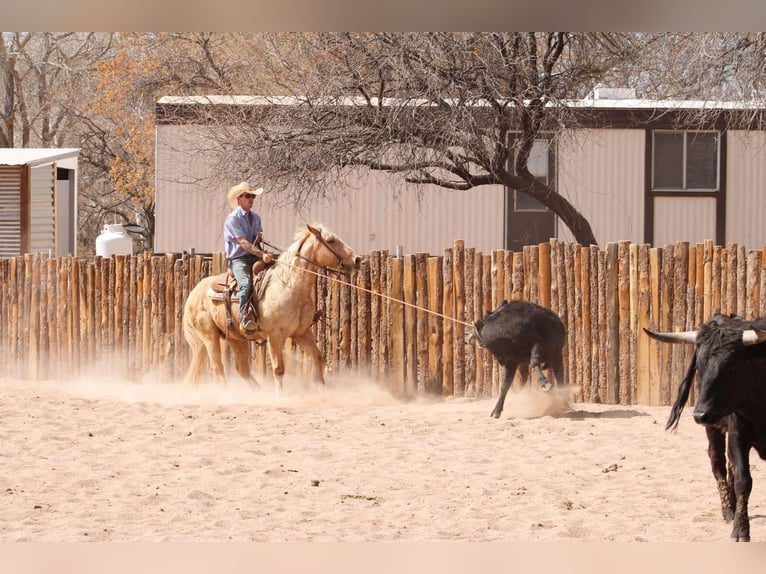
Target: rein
307, 260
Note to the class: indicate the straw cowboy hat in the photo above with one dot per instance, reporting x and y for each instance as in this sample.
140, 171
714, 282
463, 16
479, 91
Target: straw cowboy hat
238, 190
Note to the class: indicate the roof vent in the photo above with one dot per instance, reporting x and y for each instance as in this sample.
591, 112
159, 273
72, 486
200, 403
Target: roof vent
602, 93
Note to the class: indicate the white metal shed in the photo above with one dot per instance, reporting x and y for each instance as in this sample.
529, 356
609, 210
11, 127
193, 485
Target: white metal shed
38, 201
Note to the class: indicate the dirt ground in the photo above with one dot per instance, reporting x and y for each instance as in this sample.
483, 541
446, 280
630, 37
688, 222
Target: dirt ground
104, 460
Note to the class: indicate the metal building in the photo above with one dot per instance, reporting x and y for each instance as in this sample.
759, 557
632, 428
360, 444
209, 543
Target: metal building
38, 201
639, 170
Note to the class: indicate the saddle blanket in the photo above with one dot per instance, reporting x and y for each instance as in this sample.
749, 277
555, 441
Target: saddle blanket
214, 294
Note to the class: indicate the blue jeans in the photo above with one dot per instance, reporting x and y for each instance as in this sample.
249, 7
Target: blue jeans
242, 268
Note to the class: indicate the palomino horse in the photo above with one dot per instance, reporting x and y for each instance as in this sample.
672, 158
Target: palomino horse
285, 310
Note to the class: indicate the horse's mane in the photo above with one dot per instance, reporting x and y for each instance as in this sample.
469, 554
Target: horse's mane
300, 236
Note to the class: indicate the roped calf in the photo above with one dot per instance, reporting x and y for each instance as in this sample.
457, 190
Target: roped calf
522, 334
730, 362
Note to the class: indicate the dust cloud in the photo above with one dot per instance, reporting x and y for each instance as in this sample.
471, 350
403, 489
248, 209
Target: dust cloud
342, 390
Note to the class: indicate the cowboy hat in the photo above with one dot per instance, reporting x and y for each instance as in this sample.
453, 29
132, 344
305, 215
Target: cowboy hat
238, 190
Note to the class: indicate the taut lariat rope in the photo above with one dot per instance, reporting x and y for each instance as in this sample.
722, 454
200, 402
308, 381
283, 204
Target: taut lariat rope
370, 291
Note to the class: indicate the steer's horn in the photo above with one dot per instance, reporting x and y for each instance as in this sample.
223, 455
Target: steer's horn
753, 336
689, 337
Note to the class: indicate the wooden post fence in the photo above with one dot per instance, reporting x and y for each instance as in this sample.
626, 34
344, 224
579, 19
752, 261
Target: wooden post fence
407, 325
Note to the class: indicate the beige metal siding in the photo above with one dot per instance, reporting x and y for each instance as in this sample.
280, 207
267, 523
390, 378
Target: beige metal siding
601, 172
689, 219
10, 211
41, 216
746, 188
366, 213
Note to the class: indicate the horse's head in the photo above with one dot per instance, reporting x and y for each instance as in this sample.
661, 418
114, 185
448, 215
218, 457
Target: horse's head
331, 251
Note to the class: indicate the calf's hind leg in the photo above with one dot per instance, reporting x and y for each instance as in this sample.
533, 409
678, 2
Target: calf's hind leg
510, 371
534, 363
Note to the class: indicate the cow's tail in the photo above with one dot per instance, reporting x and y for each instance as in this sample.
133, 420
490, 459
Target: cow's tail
683, 395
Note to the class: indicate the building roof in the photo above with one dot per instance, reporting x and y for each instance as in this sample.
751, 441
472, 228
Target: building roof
35, 156
623, 99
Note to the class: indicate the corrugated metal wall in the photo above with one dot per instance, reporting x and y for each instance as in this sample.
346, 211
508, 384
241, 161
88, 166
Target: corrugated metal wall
689, 219
10, 211
41, 216
601, 172
746, 188
367, 214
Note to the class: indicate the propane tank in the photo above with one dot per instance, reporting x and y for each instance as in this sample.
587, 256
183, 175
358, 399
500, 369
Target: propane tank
114, 241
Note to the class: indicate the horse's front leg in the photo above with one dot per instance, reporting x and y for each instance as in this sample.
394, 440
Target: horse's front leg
241, 350
308, 344
276, 352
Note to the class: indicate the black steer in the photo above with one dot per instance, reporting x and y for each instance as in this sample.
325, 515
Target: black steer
730, 362
522, 334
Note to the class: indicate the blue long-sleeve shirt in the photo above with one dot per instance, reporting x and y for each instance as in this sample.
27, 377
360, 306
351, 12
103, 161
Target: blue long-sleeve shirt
236, 225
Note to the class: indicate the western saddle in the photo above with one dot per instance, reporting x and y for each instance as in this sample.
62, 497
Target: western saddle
226, 285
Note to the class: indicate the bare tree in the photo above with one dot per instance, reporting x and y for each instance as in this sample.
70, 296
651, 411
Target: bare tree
116, 125
458, 110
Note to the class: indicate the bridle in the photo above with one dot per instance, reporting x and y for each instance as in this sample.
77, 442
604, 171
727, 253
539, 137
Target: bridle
321, 240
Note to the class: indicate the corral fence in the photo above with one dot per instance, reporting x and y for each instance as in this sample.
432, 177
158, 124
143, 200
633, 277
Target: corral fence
405, 324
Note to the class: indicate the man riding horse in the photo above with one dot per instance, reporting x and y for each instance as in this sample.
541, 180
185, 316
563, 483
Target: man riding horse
242, 235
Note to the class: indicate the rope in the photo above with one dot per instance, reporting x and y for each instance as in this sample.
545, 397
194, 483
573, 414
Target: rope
370, 291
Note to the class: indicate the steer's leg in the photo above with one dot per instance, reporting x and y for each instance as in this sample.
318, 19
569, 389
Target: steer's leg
510, 371
534, 363
739, 454
557, 364
716, 451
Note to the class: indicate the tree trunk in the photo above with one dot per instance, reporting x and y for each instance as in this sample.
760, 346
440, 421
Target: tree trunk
559, 205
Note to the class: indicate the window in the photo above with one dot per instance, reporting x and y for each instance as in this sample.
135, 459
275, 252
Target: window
685, 161
540, 158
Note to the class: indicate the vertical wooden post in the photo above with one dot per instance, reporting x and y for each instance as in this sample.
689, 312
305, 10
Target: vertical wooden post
146, 313
448, 310
576, 351
655, 264
731, 278
398, 356
612, 325
483, 387
410, 326
762, 284
623, 295
544, 278
585, 333
180, 348
604, 335
680, 280
752, 284
363, 337
376, 355
497, 279
666, 322
717, 279
595, 333
384, 342
488, 362
707, 281
741, 273
469, 261
421, 318
643, 361
458, 284
435, 303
